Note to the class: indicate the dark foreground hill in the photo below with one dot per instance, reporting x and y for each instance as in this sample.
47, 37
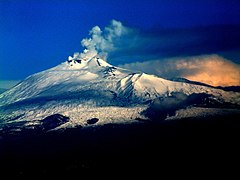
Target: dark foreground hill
151, 149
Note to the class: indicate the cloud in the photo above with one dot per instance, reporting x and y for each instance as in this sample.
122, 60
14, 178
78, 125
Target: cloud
161, 43
210, 69
101, 42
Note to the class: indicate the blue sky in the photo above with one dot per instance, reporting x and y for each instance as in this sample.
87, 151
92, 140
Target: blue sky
39, 34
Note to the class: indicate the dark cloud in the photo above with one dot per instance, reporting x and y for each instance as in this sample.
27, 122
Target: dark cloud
163, 43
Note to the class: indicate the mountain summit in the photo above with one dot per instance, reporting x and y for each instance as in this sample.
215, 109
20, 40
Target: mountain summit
91, 90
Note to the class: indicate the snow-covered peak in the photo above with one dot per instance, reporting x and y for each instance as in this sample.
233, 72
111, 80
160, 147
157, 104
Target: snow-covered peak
81, 64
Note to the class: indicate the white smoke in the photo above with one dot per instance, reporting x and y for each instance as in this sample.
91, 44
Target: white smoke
101, 42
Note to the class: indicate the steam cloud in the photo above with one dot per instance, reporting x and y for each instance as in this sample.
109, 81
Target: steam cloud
101, 42
211, 69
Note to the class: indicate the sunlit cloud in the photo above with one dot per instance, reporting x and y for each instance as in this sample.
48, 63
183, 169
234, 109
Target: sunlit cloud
210, 69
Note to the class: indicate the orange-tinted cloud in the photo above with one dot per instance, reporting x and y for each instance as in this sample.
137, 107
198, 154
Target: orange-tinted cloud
211, 69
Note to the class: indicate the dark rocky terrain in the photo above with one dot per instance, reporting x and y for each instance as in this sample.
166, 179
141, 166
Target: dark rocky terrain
151, 149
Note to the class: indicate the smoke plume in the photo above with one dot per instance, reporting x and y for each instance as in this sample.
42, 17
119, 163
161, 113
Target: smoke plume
102, 42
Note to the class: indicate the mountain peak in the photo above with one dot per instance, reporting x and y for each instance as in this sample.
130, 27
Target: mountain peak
82, 64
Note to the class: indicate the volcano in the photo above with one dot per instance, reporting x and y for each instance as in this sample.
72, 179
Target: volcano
86, 89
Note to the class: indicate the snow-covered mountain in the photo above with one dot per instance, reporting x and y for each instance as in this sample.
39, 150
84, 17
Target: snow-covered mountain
86, 89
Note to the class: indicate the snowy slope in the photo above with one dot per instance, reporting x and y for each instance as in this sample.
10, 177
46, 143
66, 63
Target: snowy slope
65, 78
147, 87
84, 89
